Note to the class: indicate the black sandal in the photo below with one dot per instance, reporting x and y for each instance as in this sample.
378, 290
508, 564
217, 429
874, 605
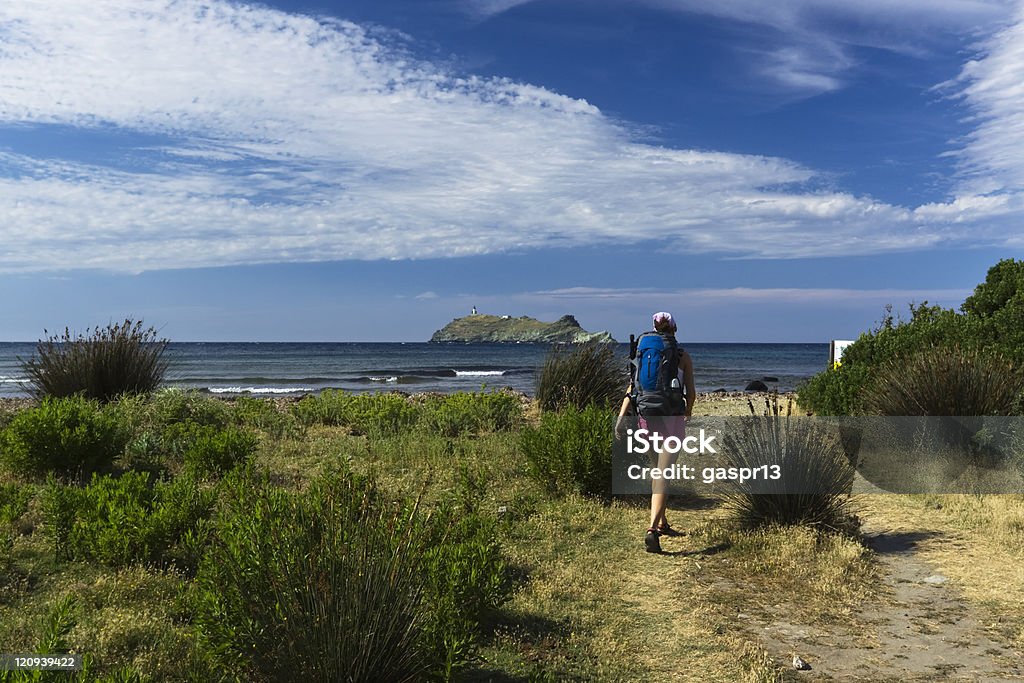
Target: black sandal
651, 541
667, 530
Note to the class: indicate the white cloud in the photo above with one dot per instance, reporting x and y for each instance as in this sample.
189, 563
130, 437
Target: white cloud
699, 296
991, 179
992, 87
292, 139
808, 47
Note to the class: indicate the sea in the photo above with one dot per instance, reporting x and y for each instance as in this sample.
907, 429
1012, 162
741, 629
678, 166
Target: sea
283, 369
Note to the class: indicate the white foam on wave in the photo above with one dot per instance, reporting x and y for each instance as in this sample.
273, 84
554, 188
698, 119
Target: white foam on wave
259, 390
4, 379
479, 373
392, 378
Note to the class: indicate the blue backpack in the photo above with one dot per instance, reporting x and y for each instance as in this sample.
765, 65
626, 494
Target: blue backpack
654, 364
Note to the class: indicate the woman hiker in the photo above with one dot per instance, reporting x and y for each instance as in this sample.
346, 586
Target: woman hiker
662, 389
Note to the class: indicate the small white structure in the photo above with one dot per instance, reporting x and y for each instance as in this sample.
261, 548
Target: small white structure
836, 348
474, 311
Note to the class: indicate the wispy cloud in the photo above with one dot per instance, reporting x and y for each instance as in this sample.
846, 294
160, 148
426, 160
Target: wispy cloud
992, 88
296, 139
699, 296
991, 178
807, 46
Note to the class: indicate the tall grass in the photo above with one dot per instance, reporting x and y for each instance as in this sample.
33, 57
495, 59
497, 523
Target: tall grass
103, 363
946, 381
582, 375
816, 474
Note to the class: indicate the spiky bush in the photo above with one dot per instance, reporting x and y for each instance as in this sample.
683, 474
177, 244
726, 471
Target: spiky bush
102, 363
571, 450
816, 473
582, 375
946, 381
342, 583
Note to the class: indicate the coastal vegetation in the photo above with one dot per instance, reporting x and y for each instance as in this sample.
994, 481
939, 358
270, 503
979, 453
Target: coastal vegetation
102, 363
582, 375
975, 346
173, 536
488, 564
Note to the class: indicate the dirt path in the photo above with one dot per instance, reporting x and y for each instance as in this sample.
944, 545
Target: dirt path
921, 631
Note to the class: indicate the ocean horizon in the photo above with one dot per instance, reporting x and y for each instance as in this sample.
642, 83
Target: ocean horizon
296, 368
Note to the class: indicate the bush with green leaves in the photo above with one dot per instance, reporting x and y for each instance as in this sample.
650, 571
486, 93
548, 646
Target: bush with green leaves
591, 373
571, 450
131, 519
72, 437
342, 583
817, 474
14, 501
468, 412
171, 406
991, 320
103, 363
376, 414
208, 451
263, 415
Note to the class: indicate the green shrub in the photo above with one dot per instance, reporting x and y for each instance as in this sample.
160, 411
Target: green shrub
68, 436
461, 413
943, 380
177, 405
14, 500
127, 520
341, 583
56, 627
208, 451
586, 374
817, 475
262, 414
837, 391
375, 414
6, 555
101, 364
842, 390
571, 450
991, 321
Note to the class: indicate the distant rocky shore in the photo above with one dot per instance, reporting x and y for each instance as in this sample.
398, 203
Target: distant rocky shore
480, 327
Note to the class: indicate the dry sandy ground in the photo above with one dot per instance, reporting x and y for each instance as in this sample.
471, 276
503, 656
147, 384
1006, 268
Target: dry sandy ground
922, 630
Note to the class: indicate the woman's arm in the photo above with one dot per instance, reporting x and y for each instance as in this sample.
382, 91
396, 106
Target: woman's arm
691, 390
624, 409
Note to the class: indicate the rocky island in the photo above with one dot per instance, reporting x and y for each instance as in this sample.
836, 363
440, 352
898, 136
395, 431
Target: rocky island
480, 327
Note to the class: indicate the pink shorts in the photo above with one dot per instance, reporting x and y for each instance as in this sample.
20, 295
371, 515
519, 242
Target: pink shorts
667, 425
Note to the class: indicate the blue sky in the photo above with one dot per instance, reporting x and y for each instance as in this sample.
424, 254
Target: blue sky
368, 170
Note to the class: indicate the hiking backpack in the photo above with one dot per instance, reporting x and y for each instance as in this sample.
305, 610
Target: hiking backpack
654, 364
